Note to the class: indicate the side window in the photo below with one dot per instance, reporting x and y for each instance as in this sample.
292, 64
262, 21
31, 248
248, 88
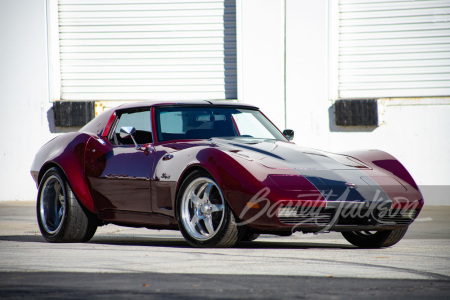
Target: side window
140, 120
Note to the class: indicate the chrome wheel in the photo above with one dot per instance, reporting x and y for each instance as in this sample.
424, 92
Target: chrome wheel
52, 208
202, 209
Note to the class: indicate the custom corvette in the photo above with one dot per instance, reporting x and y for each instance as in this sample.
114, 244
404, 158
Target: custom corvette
218, 171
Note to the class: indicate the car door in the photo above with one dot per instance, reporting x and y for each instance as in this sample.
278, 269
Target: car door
117, 171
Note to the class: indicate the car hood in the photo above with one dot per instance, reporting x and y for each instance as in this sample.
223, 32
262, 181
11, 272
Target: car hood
273, 153
338, 177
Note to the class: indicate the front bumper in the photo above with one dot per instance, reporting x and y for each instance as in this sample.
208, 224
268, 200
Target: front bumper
346, 216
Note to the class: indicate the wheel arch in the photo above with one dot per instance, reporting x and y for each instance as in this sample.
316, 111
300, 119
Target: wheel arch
44, 170
66, 153
229, 172
73, 179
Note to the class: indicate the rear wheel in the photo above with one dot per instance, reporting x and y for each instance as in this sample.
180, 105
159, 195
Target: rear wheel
61, 217
203, 215
375, 239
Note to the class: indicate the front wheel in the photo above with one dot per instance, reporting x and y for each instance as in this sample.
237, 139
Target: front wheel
247, 235
203, 215
375, 239
61, 217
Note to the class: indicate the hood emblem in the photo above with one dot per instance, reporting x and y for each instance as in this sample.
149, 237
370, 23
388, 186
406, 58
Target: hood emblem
351, 185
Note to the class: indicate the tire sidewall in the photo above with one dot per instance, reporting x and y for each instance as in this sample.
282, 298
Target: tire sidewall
60, 233
380, 239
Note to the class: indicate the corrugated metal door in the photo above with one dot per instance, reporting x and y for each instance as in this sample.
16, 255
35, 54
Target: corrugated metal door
394, 48
147, 49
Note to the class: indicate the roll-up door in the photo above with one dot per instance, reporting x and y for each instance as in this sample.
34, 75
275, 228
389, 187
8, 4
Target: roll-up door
147, 49
394, 48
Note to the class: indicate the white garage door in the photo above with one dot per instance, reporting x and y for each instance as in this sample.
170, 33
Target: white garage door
394, 48
147, 49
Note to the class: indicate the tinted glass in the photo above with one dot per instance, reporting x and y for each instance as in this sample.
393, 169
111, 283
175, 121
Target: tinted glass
140, 120
174, 123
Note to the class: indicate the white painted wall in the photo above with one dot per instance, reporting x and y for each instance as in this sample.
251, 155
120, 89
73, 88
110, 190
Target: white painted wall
306, 72
261, 56
23, 94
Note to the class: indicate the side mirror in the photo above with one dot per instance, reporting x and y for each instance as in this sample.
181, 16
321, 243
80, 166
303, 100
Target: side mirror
129, 132
289, 134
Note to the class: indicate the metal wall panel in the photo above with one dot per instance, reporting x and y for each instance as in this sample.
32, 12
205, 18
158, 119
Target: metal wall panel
394, 48
147, 49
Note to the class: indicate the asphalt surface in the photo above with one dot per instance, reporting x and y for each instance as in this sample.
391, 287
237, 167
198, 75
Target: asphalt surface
122, 262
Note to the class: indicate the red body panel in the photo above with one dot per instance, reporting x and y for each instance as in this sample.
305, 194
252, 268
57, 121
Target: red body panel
67, 152
118, 176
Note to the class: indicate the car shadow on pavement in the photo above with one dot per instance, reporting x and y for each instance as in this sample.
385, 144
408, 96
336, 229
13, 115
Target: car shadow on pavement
23, 238
161, 242
180, 243
291, 245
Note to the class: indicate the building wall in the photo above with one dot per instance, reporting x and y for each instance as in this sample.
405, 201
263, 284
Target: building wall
307, 71
23, 94
261, 56
415, 130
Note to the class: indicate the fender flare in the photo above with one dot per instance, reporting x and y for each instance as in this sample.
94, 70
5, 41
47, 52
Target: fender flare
67, 152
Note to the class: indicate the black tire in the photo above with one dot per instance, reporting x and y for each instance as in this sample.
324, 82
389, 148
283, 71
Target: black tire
378, 239
61, 217
247, 235
198, 197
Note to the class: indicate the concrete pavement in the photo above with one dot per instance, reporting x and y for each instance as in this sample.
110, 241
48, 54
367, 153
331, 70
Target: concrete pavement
418, 265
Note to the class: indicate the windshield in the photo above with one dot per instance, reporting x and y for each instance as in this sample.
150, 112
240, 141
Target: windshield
175, 123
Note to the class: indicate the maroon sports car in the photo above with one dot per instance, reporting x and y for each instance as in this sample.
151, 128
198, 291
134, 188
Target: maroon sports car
220, 172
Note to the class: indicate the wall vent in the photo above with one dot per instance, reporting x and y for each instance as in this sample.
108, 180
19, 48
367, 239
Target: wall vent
73, 113
357, 112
